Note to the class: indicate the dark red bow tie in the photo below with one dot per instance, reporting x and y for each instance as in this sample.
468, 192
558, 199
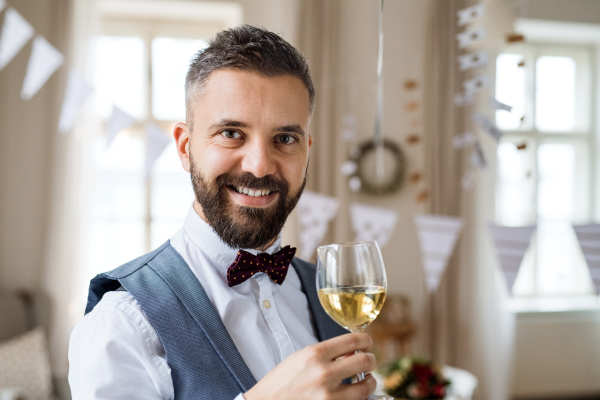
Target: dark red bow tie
275, 265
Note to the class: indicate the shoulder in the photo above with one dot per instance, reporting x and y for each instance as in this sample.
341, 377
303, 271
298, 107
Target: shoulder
118, 313
133, 265
116, 341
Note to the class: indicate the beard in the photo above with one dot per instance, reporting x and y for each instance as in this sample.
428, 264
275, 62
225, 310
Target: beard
240, 226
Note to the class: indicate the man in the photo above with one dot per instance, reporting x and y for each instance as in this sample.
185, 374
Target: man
200, 317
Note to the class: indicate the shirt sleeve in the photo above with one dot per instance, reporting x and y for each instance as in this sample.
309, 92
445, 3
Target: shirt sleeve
114, 353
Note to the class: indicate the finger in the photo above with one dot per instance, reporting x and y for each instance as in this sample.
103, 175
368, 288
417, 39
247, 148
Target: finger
357, 391
352, 365
344, 344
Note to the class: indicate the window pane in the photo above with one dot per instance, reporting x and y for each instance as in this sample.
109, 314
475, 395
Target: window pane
119, 183
514, 203
555, 93
120, 75
556, 171
510, 89
113, 243
170, 62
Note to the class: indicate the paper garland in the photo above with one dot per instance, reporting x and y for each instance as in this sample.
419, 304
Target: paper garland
463, 99
487, 125
373, 223
157, 141
43, 62
476, 84
470, 14
477, 158
589, 241
76, 93
463, 140
16, 32
496, 105
473, 60
437, 237
511, 244
315, 211
469, 37
118, 121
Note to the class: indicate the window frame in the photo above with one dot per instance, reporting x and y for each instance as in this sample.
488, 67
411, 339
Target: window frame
583, 138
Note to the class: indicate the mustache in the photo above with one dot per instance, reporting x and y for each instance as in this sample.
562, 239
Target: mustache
247, 179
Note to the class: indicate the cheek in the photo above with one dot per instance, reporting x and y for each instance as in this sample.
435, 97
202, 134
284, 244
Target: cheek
214, 161
293, 172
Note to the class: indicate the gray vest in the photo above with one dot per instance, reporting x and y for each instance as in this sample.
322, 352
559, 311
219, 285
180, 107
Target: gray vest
205, 364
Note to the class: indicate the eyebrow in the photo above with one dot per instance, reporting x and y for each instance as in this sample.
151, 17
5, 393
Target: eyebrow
224, 123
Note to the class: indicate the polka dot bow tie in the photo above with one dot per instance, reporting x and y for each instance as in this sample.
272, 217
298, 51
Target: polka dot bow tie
275, 265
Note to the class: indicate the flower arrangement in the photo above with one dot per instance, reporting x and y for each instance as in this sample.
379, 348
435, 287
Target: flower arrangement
410, 378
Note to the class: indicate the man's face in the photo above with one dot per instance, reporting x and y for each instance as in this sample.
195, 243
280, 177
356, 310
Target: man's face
248, 154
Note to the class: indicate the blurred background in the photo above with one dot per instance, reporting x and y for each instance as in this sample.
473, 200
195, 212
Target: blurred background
75, 201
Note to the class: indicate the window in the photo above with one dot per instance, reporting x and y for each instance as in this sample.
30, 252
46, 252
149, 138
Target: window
140, 58
545, 161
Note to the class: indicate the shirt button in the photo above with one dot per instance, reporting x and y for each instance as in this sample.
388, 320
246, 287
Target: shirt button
266, 304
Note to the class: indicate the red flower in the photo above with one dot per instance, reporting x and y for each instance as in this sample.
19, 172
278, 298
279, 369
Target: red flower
422, 372
439, 391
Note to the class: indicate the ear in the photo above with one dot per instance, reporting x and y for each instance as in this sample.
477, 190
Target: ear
181, 134
309, 141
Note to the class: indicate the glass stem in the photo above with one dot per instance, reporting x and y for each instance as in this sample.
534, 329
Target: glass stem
361, 375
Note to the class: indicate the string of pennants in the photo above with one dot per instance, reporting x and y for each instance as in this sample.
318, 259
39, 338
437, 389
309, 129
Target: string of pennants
472, 62
44, 61
437, 234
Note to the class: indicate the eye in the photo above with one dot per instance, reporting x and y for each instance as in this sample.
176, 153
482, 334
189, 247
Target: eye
229, 134
286, 139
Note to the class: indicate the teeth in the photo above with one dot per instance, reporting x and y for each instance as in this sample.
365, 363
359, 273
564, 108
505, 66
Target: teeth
252, 192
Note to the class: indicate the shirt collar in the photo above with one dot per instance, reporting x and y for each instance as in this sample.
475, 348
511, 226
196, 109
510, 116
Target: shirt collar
206, 239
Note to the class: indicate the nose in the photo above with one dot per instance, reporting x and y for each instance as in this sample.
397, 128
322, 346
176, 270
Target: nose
259, 159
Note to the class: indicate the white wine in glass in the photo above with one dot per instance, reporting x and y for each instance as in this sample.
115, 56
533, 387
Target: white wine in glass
351, 284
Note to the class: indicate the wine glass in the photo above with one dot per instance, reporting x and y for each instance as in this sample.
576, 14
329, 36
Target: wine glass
351, 284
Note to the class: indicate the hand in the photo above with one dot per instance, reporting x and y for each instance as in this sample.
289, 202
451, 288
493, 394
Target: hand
316, 372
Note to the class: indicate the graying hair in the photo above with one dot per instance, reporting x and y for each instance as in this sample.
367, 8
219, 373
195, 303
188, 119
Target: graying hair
245, 48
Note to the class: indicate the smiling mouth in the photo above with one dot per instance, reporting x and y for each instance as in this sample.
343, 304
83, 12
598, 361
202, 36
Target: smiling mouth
251, 192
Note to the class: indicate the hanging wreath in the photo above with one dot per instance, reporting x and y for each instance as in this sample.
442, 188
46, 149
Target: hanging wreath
390, 185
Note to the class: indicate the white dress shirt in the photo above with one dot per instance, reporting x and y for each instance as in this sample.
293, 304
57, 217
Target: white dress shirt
115, 353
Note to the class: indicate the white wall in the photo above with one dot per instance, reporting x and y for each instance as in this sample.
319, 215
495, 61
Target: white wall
557, 354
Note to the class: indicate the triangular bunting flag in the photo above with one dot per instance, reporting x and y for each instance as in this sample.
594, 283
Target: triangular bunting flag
476, 84
157, 141
315, 211
589, 240
15, 33
118, 121
43, 62
467, 38
511, 244
473, 60
438, 235
487, 125
470, 14
373, 223
75, 95
496, 105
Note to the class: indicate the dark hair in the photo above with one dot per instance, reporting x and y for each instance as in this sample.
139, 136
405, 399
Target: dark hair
246, 48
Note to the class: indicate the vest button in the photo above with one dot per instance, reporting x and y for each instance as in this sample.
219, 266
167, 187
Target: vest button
266, 304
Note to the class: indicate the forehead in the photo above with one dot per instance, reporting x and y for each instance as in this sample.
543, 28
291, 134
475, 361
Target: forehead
249, 95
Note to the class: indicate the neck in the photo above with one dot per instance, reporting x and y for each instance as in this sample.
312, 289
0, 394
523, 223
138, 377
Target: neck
200, 212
